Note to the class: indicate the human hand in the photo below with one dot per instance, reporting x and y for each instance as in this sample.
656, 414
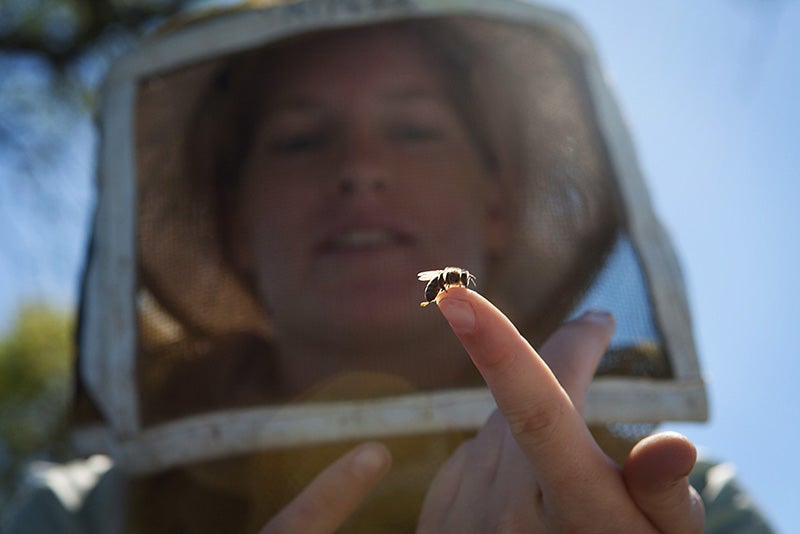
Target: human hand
535, 466
335, 493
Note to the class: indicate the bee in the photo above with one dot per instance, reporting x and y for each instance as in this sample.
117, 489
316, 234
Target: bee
439, 280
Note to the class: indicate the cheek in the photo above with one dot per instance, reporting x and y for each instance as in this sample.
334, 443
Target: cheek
274, 241
275, 202
273, 222
457, 194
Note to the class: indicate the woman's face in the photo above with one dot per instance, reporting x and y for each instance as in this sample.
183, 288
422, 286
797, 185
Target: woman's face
361, 174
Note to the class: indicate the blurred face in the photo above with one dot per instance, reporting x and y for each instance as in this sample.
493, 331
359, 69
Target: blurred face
361, 174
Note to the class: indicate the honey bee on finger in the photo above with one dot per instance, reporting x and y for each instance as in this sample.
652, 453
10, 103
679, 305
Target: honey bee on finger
440, 279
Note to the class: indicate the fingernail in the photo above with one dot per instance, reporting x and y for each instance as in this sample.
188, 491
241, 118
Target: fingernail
459, 314
598, 315
370, 460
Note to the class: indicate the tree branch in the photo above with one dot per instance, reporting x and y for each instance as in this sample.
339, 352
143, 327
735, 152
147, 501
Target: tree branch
94, 19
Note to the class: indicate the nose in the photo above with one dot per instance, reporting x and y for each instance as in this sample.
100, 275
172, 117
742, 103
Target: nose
363, 166
352, 183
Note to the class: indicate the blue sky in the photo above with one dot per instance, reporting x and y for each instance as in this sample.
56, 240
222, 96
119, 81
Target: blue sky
711, 91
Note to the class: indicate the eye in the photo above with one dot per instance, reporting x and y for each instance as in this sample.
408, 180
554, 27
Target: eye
298, 143
416, 133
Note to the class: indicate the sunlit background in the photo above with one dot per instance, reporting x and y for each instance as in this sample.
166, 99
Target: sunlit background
711, 91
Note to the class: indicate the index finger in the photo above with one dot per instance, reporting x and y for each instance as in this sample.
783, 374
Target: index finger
538, 410
335, 493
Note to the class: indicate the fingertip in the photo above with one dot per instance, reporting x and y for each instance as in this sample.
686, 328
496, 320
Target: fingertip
457, 309
593, 326
334, 493
597, 319
371, 460
599, 316
575, 350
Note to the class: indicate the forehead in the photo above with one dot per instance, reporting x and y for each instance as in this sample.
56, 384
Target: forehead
348, 62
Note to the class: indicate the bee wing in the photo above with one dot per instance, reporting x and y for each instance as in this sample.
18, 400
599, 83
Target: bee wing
425, 276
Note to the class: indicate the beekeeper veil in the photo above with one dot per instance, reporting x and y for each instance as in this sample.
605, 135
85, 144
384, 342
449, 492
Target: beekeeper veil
175, 350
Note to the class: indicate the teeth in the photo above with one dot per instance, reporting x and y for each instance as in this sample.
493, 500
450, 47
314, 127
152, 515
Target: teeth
364, 238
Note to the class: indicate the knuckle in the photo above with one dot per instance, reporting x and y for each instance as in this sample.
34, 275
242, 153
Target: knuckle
536, 424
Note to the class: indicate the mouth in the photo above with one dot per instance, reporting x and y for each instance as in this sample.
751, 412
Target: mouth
363, 240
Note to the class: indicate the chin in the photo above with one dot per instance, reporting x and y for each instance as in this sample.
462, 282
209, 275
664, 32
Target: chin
376, 319
375, 311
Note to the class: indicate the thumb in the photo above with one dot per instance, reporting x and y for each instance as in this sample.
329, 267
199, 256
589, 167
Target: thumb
657, 476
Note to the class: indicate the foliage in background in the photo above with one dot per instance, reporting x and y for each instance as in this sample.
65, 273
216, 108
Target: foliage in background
35, 387
53, 56
63, 30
